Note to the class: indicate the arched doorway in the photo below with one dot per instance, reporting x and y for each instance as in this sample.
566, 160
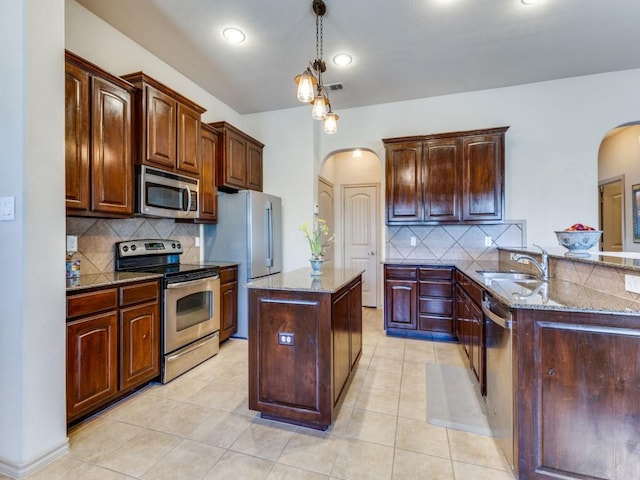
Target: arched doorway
351, 180
618, 187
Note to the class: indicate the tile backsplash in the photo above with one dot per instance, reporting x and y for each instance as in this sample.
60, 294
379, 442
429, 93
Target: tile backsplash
453, 242
97, 238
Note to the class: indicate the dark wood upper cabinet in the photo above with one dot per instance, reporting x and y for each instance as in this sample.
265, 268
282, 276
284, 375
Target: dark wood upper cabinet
404, 187
441, 179
455, 177
208, 190
188, 159
168, 126
483, 177
112, 171
98, 141
239, 160
76, 137
160, 133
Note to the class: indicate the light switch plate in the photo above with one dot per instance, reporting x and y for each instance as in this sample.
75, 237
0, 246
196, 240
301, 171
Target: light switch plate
7, 208
413, 241
632, 283
72, 243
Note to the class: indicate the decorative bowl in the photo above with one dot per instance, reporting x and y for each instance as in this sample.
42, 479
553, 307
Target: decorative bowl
578, 241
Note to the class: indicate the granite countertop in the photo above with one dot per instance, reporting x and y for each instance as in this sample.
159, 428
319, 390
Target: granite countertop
107, 279
626, 260
555, 294
331, 280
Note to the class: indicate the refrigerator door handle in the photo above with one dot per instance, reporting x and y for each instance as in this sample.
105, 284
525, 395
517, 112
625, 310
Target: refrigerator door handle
269, 234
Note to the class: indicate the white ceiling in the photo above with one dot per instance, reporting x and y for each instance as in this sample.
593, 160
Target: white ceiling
402, 49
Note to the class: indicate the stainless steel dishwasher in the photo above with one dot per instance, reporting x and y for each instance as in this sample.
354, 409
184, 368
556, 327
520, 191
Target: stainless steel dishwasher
499, 368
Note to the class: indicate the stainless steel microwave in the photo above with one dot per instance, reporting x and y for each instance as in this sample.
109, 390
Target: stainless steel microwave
165, 194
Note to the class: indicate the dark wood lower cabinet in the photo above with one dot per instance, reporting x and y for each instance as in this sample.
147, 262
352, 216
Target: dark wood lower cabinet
303, 349
419, 301
469, 325
578, 395
92, 362
228, 301
113, 344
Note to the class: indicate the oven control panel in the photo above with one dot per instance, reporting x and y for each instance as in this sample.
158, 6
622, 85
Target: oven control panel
137, 248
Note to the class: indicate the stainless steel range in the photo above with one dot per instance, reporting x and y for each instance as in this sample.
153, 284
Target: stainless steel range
191, 302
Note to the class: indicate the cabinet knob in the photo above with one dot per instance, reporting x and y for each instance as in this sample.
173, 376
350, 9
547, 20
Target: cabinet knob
551, 372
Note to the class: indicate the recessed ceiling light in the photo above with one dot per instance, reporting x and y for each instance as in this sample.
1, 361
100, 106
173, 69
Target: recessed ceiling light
233, 34
342, 59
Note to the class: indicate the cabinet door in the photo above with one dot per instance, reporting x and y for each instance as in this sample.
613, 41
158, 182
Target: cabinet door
111, 167
188, 155
92, 363
139, 344
254, 166
235, 161
578, 389
400, 302
404, 183
228, 310
208, 210
355, 321
77, 187
476, 354
161, 128
441, 180
482, 177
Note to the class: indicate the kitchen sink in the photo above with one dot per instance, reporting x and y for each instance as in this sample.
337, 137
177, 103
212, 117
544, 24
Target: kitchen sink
509, 275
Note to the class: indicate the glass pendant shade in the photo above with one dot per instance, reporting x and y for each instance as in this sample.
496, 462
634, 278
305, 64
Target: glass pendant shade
319, 111
306, 83
331, 123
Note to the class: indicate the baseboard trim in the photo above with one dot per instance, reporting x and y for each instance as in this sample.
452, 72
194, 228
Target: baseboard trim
22, 470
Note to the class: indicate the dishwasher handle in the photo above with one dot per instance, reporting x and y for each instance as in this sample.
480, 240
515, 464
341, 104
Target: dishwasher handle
504, 318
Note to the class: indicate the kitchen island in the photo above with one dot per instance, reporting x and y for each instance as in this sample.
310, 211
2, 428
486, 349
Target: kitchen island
305, 340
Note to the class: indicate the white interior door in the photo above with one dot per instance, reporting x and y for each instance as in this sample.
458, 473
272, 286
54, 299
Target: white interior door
325, 211
360, 215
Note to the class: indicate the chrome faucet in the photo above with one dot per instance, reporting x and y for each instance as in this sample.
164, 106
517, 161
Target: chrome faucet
543, 266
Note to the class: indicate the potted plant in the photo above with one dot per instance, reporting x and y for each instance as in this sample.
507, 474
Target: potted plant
317, 238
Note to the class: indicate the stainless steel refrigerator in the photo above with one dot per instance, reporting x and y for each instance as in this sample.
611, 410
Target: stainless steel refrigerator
249, 231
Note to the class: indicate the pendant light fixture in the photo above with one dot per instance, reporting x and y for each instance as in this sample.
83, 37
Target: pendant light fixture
310, 86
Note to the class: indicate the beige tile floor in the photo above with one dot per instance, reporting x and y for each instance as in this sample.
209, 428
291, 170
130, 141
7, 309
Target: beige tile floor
199, 427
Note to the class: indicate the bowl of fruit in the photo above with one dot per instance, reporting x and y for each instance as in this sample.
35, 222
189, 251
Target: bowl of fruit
578, 238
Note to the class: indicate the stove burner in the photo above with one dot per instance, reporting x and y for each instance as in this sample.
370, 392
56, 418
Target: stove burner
160, 256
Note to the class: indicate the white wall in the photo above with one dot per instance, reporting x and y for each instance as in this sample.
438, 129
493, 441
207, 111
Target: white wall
32, 279
97, 41
290, 171
551, 146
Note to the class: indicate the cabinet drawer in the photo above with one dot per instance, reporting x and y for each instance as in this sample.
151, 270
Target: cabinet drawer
138, 293
436, 306
92, 302
228, 275
436, 273
404, 273
436, 289
435, 324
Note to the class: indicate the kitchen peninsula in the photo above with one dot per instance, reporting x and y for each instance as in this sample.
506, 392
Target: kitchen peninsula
305, 340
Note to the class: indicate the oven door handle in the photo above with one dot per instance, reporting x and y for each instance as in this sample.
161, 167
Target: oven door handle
192, 282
